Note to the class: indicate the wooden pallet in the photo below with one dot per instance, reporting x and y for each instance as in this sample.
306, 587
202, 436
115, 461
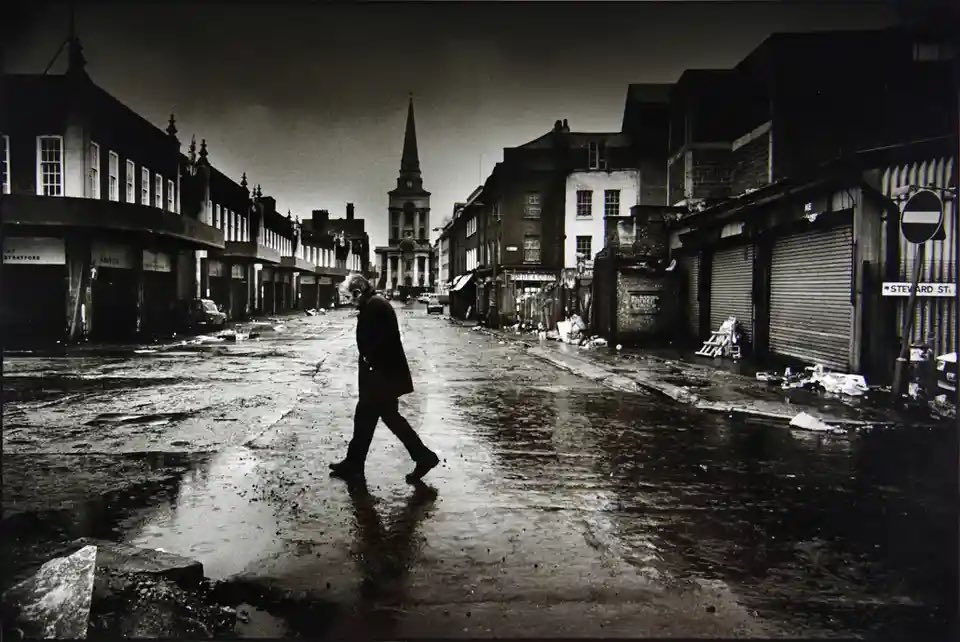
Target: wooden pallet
715, 345
720, 341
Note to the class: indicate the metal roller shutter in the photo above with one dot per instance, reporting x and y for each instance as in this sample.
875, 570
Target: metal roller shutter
810, 311
731, 288
691, 266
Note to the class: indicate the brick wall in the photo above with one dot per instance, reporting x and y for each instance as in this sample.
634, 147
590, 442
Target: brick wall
711, 173
676, 181
647, 305
750, 165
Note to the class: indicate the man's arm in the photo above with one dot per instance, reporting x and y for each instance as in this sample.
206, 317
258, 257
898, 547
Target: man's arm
381, 330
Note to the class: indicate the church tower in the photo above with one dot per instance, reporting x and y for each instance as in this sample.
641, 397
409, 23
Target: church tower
405, 262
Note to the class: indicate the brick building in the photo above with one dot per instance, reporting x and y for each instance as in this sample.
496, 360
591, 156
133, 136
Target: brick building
791, 226
97, 238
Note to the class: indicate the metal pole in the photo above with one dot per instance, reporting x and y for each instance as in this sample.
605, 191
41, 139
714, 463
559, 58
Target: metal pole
904, 359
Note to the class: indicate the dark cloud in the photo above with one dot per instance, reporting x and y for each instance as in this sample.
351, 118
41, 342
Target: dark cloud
310, 100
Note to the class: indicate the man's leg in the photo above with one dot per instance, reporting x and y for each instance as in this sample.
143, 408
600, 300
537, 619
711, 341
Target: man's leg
364, 422
425, 458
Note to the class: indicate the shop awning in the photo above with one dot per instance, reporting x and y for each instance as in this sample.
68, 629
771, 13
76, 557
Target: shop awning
461, 282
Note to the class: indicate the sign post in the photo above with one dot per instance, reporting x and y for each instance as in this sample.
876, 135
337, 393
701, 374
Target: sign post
922, 217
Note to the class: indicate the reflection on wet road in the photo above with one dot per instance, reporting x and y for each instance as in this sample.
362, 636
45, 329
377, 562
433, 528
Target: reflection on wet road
560, 505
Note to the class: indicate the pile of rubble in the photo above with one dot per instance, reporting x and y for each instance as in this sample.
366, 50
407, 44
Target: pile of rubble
105, 590
818, 378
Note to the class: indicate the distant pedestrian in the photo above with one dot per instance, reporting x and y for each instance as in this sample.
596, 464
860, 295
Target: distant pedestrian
384, 377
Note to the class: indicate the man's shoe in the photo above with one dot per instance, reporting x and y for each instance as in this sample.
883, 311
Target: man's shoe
345, 470
424, 466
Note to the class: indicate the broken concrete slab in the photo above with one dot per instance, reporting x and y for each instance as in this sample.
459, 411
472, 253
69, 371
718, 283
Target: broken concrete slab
140, 605
125, 558
55, 601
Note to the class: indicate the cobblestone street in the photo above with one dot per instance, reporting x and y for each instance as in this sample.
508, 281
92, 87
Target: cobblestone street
560, 505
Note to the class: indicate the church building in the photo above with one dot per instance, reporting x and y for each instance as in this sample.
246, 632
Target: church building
404, 264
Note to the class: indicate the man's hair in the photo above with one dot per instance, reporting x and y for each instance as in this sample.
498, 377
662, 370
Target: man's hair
358, 282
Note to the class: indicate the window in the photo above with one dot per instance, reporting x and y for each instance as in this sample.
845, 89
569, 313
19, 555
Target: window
408, 265
611, 202
216, 215
583, 247
93, 185
130, 178
471, 259
584, 203
171, 197
5, 164
50, 165
472, 226
531, 249
158, 191
532, 206
496, 210
144, 186
114, 181
597, 156
423, 232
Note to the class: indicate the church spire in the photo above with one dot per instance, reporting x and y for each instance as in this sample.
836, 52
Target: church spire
411, 160
409, 179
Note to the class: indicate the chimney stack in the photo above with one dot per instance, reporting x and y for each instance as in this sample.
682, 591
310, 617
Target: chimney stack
349, 211
320, 218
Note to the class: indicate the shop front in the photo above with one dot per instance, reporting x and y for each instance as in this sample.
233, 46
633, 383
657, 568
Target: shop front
731, 288
159, 292
33, 299
532, 298
811, 313
268, 291
690, 294
115, 291
239, 291
309, 294
463, 296
219, 290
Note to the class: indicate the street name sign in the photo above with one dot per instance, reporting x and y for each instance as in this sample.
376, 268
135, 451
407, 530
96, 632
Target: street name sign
923, 289
922, 217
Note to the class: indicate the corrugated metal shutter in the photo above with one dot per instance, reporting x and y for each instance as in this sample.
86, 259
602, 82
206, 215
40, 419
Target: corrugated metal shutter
935, 316
810, 311
731, 288
691, 267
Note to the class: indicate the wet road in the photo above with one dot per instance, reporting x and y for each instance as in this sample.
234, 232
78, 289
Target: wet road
560, 505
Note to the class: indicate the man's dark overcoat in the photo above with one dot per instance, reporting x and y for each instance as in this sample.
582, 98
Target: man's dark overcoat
384, 372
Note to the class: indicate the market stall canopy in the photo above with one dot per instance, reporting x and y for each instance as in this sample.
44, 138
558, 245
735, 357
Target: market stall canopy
461, 282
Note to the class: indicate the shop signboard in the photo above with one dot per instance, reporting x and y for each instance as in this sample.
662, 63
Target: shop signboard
308, 279
157, 261
33, 250
105, 254
534, 277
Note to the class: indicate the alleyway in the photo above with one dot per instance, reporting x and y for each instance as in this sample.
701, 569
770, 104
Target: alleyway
562, 507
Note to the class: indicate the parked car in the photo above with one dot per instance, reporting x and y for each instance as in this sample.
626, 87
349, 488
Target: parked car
424, 298
433, 304
200, 314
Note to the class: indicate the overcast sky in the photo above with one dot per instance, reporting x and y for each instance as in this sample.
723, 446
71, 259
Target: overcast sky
311, 100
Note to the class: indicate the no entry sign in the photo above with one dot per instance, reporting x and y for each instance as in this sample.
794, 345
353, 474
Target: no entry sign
922, 217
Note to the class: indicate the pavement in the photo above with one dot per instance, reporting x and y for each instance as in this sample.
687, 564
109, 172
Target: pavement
707, 384
562, 506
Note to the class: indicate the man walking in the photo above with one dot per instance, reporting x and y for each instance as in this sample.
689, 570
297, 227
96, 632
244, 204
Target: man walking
384, 377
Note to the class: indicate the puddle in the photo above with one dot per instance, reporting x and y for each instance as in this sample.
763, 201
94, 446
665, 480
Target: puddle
254, 623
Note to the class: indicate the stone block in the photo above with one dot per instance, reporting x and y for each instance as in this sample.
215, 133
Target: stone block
55, 601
